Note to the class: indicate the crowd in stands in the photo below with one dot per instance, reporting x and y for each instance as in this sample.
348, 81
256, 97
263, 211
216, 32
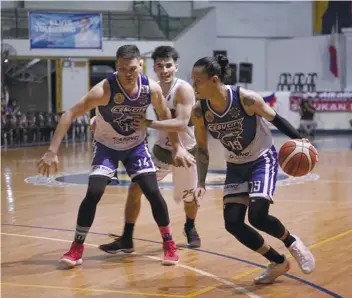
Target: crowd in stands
35, 127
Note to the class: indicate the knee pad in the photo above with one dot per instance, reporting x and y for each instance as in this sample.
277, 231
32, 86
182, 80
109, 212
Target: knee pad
234, 215
258, 211
150, 188
149, 185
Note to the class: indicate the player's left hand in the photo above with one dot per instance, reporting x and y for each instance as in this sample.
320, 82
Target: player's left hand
139, 123
49, 159
182, 158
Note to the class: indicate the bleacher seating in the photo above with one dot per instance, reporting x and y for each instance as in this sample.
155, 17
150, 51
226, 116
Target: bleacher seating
37, 128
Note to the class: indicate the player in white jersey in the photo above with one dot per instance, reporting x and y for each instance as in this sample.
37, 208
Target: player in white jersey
119, 99
180, 98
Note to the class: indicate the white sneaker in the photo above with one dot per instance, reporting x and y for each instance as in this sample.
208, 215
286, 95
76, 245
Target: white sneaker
302, 255
272, 272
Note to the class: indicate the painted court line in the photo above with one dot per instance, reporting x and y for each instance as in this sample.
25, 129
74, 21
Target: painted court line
298, 279
250, 272
210, 288
201, 272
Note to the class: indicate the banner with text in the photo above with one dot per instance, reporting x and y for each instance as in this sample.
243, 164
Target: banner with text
324, 101
49, 30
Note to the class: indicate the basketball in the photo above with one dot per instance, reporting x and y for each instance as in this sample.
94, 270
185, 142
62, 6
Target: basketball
297, 158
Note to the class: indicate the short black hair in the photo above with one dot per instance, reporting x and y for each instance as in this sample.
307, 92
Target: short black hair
165, 52
215, 66
128, 51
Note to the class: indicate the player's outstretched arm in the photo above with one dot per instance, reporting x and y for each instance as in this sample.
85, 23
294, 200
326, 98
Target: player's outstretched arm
185, 100
98, 95
180, 155
159, 103
253, 103
202, 155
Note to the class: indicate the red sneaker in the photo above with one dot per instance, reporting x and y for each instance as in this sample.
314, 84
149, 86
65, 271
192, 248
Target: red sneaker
74, 256
170, 255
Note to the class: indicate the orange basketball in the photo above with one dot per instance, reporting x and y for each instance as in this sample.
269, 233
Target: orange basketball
297, 158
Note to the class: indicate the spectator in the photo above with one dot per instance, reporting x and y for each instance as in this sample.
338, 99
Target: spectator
13, 107
307, 124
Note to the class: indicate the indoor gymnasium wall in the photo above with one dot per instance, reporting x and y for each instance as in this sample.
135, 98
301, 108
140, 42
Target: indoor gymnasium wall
252, 50
196, 42
273, 19
305, 55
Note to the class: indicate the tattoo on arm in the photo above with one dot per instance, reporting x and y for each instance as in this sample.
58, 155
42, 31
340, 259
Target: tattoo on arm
248, 100
202, 158
196, 114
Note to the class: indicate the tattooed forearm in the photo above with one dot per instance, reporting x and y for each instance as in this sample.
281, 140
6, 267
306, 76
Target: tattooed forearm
248, 100
202, 158
196, 114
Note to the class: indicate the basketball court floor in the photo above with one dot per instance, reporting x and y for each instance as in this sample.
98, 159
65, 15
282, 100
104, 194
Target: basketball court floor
39, 215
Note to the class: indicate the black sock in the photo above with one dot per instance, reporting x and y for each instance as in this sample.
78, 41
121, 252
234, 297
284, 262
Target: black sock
128, 231
273, 256
189, 223
289, 240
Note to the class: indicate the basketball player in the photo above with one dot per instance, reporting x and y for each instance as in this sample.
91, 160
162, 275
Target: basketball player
234, 116
180, 100
118, 99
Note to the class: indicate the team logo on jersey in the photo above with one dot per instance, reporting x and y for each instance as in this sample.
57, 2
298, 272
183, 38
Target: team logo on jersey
209, 116
235, 112
119, 98
229, 133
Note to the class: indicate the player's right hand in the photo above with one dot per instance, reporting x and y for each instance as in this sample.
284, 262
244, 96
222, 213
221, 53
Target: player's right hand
199, 194
182, 158
49, 159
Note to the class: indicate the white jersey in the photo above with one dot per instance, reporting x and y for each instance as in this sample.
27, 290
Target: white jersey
186, 137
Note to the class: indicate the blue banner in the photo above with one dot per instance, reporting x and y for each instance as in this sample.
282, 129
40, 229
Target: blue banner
65, 30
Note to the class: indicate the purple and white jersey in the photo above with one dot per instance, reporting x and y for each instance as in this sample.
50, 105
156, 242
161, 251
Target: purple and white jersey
114, 121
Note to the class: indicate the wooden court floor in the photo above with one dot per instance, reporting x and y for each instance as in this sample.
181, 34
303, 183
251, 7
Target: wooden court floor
38, 220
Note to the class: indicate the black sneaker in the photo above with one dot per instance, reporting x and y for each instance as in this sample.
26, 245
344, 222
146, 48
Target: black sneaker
119, 245
193, 239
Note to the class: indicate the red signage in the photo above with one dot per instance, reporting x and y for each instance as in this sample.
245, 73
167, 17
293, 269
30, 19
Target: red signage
324, 101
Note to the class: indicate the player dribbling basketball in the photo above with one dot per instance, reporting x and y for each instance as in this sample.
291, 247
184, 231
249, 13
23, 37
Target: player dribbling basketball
234, 116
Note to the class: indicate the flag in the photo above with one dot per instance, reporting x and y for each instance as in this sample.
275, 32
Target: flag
333, 65
270, 99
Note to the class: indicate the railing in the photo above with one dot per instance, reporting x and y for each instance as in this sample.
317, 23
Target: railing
119, 25
160, 16
170, 26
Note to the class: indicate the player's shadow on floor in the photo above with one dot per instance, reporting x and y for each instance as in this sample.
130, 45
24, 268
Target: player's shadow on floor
120, 258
